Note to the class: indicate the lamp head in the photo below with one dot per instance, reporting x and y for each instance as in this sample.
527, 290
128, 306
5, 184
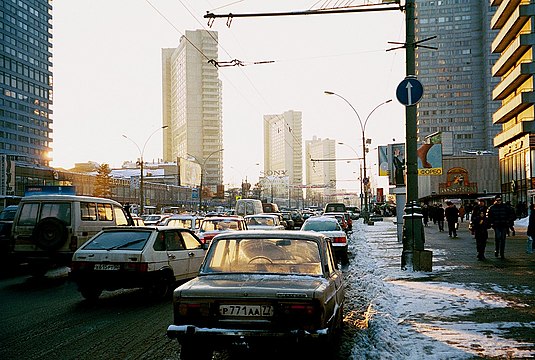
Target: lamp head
328, 92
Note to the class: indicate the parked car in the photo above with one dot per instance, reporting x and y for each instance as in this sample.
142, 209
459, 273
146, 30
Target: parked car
6, 223
154, 219
211, 226
192, 222
263, 222
47, 229
150, 257
260, 288
329, 226
342, 219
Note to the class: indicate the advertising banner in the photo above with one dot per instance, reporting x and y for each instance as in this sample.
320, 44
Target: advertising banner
189, 173
430, 156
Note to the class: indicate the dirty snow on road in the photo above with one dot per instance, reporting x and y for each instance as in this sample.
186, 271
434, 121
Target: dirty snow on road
396, 314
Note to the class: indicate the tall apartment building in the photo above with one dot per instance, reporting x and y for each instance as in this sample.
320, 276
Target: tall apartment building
25, 82
320, 175
457, 76
283, 150
515, 70
192, 104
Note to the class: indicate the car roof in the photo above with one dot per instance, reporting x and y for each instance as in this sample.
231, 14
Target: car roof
262, 215
220, 218
145, 227
267, 234
321, 218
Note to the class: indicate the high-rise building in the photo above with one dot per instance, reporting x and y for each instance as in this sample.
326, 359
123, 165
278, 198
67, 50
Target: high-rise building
457, 76
26, 81
320, 175
192, 104
283, 150
515, 71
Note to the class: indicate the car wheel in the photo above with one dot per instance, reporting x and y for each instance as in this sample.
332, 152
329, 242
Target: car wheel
50, 234
344, 258
161, 288
194, 350
90, 293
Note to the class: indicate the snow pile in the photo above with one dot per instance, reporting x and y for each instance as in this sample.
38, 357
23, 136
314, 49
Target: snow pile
409, 316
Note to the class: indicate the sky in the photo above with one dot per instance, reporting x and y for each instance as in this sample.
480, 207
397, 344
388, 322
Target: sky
107, 78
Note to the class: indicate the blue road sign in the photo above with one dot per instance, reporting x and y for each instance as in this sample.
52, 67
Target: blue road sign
409, 91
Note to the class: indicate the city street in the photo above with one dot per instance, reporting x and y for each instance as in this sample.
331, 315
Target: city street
463, 309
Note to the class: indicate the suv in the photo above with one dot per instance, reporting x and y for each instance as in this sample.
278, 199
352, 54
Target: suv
150, 257
47, 229
6, 223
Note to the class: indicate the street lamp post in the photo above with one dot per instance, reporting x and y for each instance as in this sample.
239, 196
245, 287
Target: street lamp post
141, 163
202, 173
361, 180
365, 179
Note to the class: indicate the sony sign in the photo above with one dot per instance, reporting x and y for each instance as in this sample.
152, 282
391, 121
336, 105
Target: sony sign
274, 173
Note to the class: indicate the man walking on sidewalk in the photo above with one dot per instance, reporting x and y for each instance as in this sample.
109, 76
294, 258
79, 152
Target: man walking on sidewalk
452, 217
499, 216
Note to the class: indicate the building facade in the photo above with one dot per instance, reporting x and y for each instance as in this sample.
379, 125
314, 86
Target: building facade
456, 76
192, 106
25, 83
283, 152
515, 69
320, 181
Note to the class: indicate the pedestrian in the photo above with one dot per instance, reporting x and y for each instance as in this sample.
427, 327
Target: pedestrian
499, 217
461, 213
425, 213
452, 217
480, 225
531, 230
439, 216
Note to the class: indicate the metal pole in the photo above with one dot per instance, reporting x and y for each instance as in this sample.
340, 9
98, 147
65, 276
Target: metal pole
202, 174
141, 189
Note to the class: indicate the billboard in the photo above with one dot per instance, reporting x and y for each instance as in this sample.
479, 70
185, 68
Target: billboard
392, 163
430, 155
189, 173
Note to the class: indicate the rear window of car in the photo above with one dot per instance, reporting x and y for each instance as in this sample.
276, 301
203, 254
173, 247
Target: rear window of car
181, 223
226, 224
119, 240
321, 226
273, 256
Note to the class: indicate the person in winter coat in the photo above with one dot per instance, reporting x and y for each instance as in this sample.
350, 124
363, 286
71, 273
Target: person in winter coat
452, 217
439, 216
480, 225
531, 230
499, 216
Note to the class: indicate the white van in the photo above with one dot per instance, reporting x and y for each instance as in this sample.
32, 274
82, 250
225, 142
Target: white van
47, 229
248, 207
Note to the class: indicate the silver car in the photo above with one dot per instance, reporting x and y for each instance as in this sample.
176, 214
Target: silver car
260, 288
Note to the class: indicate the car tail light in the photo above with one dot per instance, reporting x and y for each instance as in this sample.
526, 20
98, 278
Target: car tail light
81, 265
193, 310
73, 245
306, 315
136, 266
339, 239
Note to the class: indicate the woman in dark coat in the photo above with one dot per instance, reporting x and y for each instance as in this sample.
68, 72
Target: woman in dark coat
480, 226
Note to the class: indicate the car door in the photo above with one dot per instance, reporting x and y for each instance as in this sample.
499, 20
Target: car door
177, 256
336, 285
195, 251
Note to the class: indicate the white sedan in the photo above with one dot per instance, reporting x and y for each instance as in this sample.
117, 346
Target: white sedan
329, 226
263, 222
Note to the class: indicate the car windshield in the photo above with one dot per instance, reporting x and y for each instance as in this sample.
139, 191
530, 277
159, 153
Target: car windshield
226, 224
8, 214
182, 223
321, 226
260, 220
263, 256
115, 240
152, 218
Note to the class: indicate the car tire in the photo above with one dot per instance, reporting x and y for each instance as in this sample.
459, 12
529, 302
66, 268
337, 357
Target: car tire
90, 293
161, 288
344, 258
194, 350
50, 234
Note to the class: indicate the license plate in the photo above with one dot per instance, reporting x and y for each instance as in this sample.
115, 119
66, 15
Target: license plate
107, 267
246, 310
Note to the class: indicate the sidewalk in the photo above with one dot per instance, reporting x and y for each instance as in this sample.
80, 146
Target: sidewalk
463, 309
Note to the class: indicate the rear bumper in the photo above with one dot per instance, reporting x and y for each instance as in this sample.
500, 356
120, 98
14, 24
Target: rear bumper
228, 335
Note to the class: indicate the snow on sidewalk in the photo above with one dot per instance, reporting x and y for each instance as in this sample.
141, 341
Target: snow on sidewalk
410, 316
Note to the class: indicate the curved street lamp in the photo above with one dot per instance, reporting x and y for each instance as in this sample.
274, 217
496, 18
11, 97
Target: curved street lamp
361, 181
141, 152
202, 172
365, 179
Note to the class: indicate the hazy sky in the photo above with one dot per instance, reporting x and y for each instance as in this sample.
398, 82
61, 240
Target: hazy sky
107, 77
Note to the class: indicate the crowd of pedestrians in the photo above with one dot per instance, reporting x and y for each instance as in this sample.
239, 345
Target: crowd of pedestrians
499, 217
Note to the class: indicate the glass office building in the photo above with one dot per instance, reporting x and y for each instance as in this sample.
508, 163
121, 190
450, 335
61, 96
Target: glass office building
25, 82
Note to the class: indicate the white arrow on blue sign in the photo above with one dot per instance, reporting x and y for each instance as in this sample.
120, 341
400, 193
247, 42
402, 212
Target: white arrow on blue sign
409, 91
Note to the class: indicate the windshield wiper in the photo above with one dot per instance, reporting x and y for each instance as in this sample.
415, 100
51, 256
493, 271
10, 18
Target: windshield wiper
132, 242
